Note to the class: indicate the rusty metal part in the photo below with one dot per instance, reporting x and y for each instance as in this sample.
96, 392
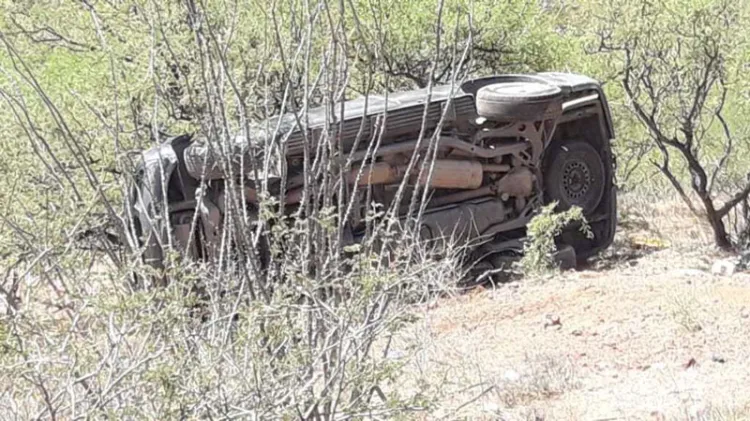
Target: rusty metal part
520, 203
463, 196
453, 174
495, 168
537, 133
523, 129
518, 222
518, 183
446, 142
462, 223
384, 173
377, 173
482, 152
446, 174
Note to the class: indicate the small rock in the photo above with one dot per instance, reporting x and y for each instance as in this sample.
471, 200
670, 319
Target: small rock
690, 363
576, 333
552, 320
718, 359
744, 313
724, 268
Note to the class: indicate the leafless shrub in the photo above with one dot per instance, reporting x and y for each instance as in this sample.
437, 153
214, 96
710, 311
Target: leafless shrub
286, 319
675, 72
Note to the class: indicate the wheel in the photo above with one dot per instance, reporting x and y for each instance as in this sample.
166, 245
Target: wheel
574, 176
518, 101
565, 257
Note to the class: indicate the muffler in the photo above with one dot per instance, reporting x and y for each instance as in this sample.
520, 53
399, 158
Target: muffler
446, 174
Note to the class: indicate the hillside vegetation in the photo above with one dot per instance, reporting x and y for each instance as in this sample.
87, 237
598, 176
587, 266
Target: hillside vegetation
86, 86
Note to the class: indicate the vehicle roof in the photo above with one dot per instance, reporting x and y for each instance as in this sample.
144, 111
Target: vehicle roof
375, 104
396, 104
370, 105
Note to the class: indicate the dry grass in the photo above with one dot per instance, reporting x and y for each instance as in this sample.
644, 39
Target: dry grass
545, 377
686, 311
661, 220
718, 413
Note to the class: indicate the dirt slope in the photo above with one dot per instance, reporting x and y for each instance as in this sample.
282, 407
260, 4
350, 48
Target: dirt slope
646, 333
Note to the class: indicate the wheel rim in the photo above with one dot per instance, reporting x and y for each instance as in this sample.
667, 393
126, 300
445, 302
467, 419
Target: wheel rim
574, 175
576, 180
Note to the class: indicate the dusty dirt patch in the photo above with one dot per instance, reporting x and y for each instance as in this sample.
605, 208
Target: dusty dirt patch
650, 336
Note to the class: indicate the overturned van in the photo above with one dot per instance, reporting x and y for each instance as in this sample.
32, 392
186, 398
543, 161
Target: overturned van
502, 147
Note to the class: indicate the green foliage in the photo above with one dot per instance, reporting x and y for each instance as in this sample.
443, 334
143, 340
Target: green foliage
667, 40
508, 36
681, 70
541, 232
122, 74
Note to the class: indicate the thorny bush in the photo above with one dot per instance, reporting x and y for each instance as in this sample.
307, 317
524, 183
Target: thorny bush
539, 249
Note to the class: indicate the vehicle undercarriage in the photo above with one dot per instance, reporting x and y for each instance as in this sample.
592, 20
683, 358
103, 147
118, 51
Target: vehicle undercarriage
496, 149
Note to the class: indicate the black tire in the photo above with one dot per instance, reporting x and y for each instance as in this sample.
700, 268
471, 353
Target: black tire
574, 175
518, 101
565, 257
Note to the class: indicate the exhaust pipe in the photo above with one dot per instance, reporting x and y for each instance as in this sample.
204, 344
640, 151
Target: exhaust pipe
446, 174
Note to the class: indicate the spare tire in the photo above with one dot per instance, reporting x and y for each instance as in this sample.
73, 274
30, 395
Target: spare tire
519, 101
574, 175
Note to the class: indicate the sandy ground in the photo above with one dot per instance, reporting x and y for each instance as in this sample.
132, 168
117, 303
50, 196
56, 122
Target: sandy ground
647, 332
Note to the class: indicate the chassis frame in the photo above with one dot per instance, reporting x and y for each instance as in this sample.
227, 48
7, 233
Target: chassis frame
168, 192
